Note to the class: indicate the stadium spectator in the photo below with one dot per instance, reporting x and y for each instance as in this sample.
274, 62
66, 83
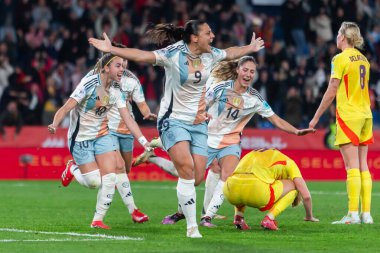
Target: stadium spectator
11, 117
64, 38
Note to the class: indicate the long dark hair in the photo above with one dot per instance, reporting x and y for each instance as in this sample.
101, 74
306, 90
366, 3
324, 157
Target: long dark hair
165, 34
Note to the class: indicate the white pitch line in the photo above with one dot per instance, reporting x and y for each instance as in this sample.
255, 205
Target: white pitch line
52, 240
102, 236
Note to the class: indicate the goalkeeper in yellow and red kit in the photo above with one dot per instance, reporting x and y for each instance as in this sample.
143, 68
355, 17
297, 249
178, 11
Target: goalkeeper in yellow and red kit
268, 180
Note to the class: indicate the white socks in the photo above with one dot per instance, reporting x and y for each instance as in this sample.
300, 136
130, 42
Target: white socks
216, 201
187, 199
211, 182
105, 196
164, 164
90, 180
124, 188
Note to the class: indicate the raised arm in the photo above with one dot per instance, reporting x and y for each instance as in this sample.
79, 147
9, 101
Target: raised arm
145, 111
301, 187
327, 99
131, 54
237, 52
287, 127
61, 113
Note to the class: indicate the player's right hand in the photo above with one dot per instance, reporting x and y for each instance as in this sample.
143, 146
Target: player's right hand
52, 129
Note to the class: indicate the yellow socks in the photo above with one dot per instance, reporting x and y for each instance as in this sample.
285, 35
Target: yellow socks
353, 189
282, 203
366, 191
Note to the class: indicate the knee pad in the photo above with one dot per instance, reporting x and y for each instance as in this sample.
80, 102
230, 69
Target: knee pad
92, 179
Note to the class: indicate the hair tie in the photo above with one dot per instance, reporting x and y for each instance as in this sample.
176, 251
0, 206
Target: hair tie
110, 61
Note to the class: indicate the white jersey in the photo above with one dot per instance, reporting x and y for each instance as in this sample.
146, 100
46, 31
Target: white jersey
184, 84
88, 119
231, 111
131, 89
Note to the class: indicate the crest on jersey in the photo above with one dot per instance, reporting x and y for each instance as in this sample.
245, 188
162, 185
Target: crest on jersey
236, 101
105, 100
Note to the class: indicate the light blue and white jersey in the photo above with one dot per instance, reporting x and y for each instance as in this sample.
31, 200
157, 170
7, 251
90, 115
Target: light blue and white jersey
132, 90
185, 82
231, 111
88, 120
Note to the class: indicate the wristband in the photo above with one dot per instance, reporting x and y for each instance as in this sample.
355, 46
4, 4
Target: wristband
142, 140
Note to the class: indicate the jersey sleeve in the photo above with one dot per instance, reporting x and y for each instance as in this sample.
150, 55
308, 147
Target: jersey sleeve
163, 56
337, 68
79, 93
218, 54
292, 170
263, 108
214, 92
137, 93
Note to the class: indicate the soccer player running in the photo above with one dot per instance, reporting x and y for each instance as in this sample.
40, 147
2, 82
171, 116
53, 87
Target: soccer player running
349, 84
232, 103
181, 120
131, 89
90, 143
268, 180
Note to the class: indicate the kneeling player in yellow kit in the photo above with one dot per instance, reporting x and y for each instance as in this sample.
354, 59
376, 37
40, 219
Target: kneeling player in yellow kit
268, 180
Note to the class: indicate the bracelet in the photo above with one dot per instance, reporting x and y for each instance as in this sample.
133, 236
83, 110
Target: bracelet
142, 140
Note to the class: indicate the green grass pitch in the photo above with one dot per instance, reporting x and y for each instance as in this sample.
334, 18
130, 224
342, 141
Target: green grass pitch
41, 216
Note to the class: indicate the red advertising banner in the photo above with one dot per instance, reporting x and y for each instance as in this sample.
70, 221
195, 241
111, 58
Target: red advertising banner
35, 154
48, 163
38, 137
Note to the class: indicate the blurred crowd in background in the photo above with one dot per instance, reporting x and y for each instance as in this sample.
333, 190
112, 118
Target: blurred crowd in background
44, 51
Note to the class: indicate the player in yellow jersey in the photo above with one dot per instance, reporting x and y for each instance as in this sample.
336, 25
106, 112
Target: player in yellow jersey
349, 84
270, 181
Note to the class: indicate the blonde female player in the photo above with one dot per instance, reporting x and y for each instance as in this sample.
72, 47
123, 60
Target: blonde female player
188, 63
349, 84
90, 144
268, 180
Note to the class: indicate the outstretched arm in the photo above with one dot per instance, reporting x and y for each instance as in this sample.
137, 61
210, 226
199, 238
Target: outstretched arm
305, 194
131, 54
61, 113
145, 111
237, 52
133, 127
327, 99
287, 127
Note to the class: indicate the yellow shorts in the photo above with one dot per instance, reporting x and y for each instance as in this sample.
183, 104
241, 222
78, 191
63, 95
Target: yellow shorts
248, 190
355, 131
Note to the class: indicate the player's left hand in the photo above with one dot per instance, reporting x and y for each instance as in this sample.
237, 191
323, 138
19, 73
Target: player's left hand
312, 219
257, 43
150, 116
103, 45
